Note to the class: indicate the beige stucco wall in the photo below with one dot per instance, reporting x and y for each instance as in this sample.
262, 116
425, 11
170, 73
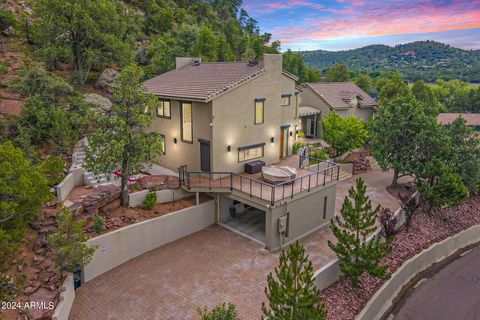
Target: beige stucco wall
183, 153
65, 300
233, 117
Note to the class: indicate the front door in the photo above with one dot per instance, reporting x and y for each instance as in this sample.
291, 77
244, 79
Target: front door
283, 142
204, 155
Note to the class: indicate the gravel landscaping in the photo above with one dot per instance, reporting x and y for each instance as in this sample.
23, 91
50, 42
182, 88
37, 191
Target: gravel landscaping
343, 302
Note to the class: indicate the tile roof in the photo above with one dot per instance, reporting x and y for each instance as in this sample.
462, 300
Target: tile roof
203, 82
336, 94
473, 119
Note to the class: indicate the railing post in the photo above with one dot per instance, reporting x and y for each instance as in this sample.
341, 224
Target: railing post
261, 190
272, 201
210, 181
231, 181
250, 188
324, 176
293, 186
309, 179
338, 172
189, 181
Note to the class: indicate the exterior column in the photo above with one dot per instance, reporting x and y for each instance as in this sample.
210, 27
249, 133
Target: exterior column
197, 198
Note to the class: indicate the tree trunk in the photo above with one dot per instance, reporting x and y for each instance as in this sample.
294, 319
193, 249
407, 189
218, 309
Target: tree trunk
395, 178
124, 187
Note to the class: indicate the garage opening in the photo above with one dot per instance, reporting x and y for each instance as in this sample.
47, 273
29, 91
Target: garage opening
243, 218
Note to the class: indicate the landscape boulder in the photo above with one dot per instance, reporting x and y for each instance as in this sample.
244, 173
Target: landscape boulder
40, 242
158, 182
109, 208
9, 31
106, 81
101, 103
100, 198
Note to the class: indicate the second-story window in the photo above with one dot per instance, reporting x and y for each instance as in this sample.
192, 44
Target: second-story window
286, 100
164, 109
186, 122
259, 111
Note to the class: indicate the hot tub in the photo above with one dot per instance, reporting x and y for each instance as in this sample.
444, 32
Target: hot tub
278, 174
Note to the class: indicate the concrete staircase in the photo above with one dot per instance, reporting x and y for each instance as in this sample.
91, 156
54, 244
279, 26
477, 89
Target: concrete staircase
78, 159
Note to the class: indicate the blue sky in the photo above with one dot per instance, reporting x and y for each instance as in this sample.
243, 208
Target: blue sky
347, 24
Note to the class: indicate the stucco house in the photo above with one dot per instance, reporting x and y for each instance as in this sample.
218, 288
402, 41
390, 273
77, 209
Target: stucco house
345, 98
472, 119
216, 117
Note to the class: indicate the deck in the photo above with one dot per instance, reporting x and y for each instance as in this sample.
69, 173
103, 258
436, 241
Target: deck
309, 176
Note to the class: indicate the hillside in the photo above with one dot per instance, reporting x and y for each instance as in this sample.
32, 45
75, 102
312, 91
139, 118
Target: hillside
427, 60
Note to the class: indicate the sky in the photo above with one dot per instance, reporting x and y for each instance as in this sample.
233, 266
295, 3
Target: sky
348, 24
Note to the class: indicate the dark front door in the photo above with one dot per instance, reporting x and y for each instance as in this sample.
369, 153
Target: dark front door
205, 155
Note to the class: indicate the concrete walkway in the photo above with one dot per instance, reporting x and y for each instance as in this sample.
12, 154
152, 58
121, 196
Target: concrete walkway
451, 293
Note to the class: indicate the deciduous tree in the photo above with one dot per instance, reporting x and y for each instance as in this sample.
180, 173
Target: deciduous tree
338, 73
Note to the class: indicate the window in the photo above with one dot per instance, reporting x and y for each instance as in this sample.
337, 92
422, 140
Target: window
186, 122
250, 152
259, 109
295, 106
163, 109
286, 100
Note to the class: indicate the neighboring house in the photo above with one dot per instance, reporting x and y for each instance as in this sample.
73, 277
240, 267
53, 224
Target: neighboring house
472, 119
345, 98
216, 117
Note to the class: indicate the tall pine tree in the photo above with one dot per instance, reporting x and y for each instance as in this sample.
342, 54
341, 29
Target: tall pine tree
291, 293
351, 228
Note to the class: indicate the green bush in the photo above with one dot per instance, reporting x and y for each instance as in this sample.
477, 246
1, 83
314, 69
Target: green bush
150, 200
220, 312
301, 134
7, 19
318, 155
297, 145
3, 67
98, 224
52, 168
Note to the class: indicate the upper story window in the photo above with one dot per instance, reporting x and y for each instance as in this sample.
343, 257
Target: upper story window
164, 109
259, 111
186, 123
286, 100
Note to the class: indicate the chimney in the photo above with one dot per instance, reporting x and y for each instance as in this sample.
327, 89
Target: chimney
182, 61
273, 63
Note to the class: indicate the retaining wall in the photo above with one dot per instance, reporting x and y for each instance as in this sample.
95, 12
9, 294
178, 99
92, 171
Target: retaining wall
136, 199
72, 180
65, 301
119, 246
330, 273
382, 300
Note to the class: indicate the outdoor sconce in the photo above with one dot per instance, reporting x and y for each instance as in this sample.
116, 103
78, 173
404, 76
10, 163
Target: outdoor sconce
229, 148
291, 133
175, 140
297, 131
272, 139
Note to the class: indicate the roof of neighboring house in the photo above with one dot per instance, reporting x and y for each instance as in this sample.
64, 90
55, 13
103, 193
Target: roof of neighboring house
338, 94
473, 119
205, 81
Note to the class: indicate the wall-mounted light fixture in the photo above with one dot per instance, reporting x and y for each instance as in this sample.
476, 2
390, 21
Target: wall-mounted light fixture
229, 148
291, 133
175, 140
272, 139
297, 131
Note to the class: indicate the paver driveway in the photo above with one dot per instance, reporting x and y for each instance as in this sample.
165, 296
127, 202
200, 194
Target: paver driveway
211, 266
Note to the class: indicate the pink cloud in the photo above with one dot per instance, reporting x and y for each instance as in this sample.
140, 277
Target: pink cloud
379, 20
291, 4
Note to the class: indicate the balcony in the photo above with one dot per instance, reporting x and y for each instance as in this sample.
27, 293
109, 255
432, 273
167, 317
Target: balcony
311, 173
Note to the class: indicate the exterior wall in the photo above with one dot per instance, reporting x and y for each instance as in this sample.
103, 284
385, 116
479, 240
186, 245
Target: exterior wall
233, 117
136, 199
72, 180
361, 113
182, 153
65, 300
119, 246
305, 216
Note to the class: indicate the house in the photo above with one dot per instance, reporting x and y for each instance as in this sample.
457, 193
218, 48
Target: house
345, 98
472, 119
216, 117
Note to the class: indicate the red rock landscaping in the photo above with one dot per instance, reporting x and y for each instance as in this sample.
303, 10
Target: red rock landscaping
343, 303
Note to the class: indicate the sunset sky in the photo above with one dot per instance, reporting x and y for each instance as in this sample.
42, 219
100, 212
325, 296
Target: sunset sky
347, 24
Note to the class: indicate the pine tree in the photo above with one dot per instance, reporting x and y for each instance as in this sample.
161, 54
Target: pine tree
291, 293
351, 228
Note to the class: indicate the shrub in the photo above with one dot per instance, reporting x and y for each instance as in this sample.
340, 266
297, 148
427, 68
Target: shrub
220, 312
297, 145
150, 200
69, 243
7, 19
409, 205
98, 224
3, 67
318, 155
388, 222
301, 134
52, 168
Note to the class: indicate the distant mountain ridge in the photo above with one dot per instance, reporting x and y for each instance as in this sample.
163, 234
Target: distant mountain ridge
427, 60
